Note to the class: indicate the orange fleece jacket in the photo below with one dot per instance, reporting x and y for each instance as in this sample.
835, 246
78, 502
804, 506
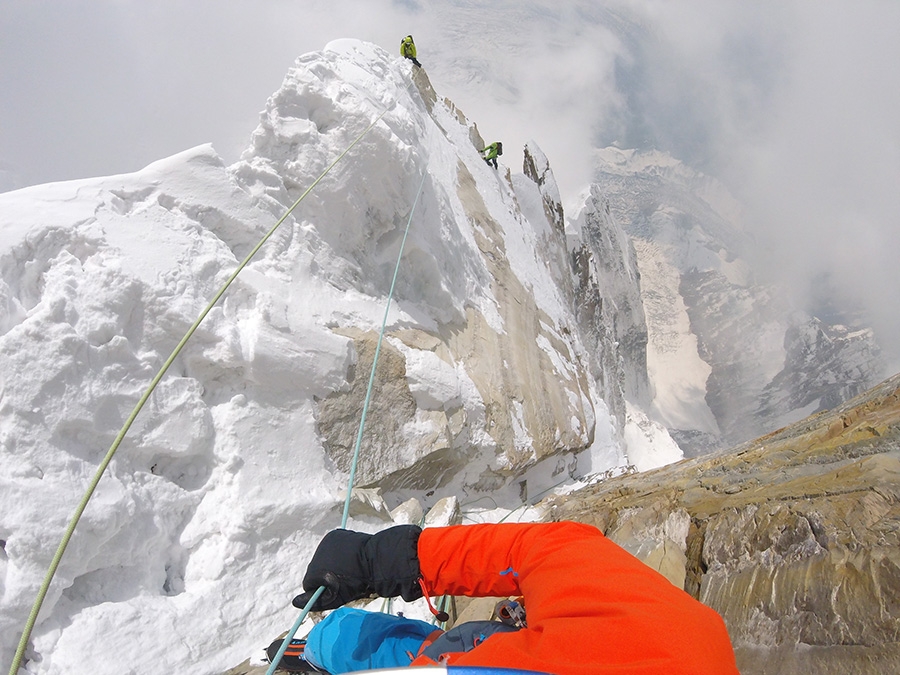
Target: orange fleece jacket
591, 606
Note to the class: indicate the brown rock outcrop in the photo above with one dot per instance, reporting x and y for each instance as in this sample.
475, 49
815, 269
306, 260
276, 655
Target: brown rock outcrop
793, 538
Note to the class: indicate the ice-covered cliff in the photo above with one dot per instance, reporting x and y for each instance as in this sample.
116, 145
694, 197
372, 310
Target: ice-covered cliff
499, 376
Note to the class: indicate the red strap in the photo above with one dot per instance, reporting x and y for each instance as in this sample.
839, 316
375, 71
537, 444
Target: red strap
441, 616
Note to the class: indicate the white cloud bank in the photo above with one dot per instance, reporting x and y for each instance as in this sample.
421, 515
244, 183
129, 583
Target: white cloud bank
794, 104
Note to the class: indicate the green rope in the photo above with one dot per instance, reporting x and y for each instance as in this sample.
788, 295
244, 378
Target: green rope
387, 309
70, 530
362, 422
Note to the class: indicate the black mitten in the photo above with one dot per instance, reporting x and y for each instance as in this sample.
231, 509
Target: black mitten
339, 565
353, 565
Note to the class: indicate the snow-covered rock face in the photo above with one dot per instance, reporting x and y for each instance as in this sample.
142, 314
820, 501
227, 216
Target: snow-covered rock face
197, 536
608, 301
727, 357
478, 374
610, 315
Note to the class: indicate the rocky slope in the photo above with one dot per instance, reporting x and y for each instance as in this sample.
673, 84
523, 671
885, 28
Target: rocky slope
794, 537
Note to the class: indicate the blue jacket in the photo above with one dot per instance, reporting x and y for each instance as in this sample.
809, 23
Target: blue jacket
351, 639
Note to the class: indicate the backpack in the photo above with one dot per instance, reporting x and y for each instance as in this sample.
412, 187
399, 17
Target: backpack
292, 661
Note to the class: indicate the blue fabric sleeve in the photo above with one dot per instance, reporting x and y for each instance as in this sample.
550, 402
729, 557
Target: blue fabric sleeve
351, 639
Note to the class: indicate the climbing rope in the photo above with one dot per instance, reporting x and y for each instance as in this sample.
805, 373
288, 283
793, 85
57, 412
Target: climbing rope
387, 309
362, 422
70, 530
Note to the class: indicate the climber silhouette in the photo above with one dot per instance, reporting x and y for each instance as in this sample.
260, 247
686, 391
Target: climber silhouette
408, 50
491, 152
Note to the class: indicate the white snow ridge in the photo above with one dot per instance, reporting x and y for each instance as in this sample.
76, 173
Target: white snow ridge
196, 540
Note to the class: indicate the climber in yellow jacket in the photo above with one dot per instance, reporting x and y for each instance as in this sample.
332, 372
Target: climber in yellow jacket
491, 151
408, 50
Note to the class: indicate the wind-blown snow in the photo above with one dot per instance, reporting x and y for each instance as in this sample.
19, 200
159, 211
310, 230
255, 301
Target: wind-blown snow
197, 537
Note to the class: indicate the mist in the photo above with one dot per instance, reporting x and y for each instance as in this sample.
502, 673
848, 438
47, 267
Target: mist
792, 104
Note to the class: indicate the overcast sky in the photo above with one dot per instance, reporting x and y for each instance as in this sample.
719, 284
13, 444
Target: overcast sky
794, 104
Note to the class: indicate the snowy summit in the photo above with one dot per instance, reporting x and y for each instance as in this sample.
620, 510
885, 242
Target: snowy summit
195, 541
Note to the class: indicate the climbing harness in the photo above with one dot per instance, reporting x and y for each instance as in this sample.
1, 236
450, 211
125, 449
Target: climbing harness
57, 558
309, 605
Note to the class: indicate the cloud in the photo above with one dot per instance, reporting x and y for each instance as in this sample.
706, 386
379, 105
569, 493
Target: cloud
107, 87
523, 71
96, 88
793, 104
820, 173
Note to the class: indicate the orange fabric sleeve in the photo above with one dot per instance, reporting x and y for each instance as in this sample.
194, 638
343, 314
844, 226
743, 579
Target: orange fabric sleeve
591, 606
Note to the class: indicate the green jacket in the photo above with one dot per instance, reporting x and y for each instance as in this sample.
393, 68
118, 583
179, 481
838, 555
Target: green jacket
491, 151
408, 48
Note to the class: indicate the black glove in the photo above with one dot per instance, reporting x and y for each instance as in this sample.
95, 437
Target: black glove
353, 565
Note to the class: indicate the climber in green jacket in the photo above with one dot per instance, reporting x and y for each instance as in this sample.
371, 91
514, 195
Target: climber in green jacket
408, 50
491, 152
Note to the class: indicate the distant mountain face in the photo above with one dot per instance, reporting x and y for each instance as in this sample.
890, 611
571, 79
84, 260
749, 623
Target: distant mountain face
728, 358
